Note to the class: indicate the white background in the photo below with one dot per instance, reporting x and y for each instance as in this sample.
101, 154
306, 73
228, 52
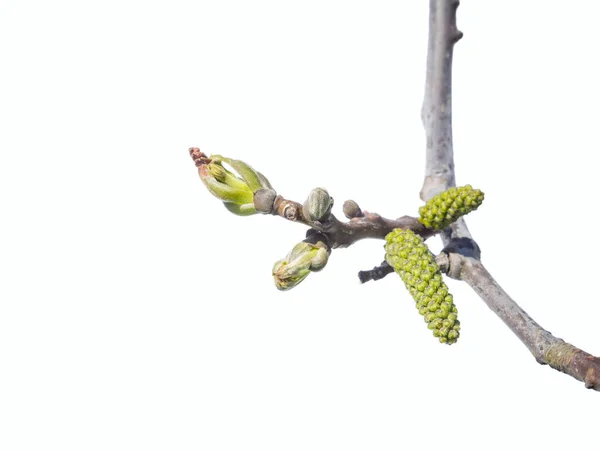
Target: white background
136, 313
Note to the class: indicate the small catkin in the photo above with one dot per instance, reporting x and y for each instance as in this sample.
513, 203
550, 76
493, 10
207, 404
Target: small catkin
445, 208
411, 259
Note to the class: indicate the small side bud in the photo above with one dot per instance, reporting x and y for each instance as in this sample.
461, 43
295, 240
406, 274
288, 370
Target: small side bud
264, 200
295, 267
351, 209
317, 206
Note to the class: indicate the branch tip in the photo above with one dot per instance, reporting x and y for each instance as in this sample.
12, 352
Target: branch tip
198, 157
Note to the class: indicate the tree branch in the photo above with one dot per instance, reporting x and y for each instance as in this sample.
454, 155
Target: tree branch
436, 112
459, 260
343, 234
546, 348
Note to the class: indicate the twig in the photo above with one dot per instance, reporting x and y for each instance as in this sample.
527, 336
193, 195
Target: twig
337, 234
546, 348
376, 273
462, 262
343, 234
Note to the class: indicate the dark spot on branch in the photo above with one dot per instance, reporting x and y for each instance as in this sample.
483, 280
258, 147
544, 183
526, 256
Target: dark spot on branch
463, 246
313, 236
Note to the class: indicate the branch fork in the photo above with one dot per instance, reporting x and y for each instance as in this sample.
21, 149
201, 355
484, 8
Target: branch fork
456, 260
460, 258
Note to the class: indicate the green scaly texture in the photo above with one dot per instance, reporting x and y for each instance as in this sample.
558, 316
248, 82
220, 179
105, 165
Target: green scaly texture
445, 208
411, 259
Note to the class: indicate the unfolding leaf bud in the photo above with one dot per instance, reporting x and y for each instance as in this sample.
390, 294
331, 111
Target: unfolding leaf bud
236, 192
317, 206
295, 267
218, 171
411, 259
253, 179
224, 186
445, 208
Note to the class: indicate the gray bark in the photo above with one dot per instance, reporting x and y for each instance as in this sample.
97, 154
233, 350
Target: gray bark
459, 260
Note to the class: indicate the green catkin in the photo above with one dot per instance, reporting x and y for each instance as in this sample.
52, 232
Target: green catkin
445, 208
411, 259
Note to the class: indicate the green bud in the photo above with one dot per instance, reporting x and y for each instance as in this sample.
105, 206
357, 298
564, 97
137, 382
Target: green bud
218, 172
237, 192
222, 175
226, 190
411, 259
443, 209
254, 179
295, 267
319, 261
317, 206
